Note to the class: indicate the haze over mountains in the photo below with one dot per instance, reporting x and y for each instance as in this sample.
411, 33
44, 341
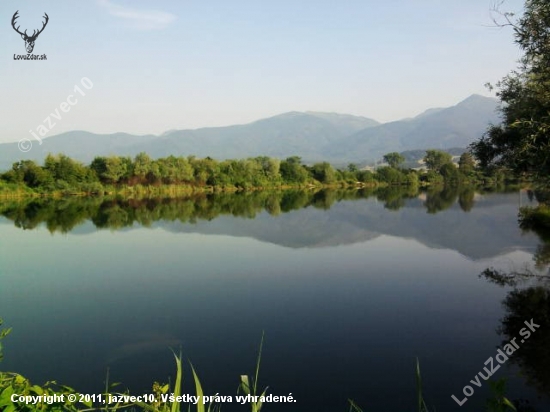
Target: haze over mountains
314, 136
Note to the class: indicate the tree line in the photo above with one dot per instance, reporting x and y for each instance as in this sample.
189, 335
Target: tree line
60, 173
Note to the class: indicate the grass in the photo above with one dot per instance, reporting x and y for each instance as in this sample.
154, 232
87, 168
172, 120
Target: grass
251, 389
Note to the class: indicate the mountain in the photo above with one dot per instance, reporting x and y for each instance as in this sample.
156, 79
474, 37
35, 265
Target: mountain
80, 145
455, 126
284, 135
314, 136
288, 134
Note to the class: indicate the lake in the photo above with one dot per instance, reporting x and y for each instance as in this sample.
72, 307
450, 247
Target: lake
349, 288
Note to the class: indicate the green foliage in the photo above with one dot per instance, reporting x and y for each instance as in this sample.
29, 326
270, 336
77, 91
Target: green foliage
394, 159
433, 177
498, 402
251, 388
292, 170
535, 218
3, 334
177, 176
391, 175
450, 173
365, 176
522, 142
323, 172
466, 164
435, 159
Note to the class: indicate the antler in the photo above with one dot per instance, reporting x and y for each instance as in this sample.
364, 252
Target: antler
43, 25
34, 33
15, 16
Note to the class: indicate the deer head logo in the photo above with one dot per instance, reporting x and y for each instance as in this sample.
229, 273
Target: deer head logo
29, 40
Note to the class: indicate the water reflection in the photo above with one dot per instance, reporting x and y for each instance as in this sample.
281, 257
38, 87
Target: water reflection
529, 300
63, 215
357, 286
474, 224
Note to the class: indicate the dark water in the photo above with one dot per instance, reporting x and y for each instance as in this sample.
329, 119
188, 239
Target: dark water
349, 290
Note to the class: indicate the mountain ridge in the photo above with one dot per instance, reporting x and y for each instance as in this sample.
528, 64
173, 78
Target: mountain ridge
314, 136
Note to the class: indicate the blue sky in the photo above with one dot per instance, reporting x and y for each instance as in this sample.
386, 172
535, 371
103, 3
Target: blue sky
161, 65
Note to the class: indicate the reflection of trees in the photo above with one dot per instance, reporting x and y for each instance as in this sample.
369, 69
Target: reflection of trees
524, 304
533, 356
324, 199
541, 227
62, 215
542, 194
466, 196
440, 198
394, 196
529, 300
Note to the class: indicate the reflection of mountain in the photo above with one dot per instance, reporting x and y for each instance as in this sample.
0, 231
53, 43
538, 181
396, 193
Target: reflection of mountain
489, 229
301, 228
305, 219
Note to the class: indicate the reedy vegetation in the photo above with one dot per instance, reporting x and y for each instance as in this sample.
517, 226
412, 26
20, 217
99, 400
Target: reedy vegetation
13, 383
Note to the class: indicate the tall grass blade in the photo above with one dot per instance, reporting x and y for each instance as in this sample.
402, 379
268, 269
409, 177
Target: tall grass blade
421, 404
177, 386
198, 390
353, 407
255, 383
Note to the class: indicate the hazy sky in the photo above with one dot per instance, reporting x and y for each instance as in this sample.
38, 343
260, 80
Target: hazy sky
161, 65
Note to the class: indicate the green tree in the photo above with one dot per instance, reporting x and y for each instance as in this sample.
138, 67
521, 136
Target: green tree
365, 176
389, 175
522, 142
63, 169
109, 169
293, 171
323, 172
466, 164
435, 159
142, 166
394, 159
99, 166
34, 176
449, 172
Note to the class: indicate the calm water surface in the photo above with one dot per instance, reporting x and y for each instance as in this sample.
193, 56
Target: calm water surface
349, 290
